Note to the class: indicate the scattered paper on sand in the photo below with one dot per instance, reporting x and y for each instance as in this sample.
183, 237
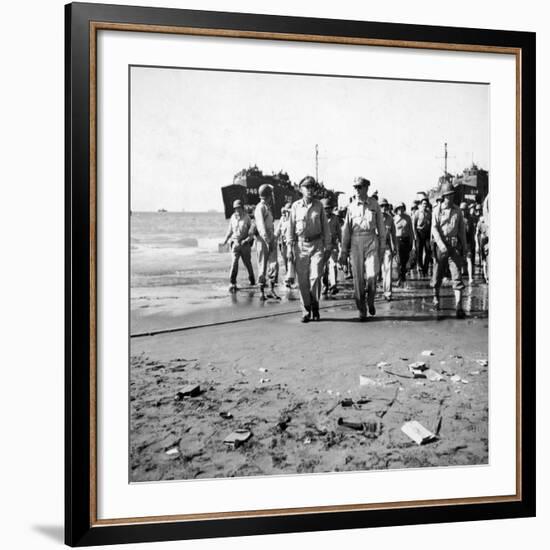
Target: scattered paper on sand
418, 433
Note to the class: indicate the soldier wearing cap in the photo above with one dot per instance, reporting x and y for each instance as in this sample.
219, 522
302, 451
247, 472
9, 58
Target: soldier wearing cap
241, 240
266, 244
422, 227
405, 237
330, 272
390, 251
281, 234
364, 242
449, 234
309, 234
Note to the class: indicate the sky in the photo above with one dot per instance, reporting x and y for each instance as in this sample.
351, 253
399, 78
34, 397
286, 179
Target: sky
193, 130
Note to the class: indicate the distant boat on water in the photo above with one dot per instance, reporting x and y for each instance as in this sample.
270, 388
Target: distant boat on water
162, 210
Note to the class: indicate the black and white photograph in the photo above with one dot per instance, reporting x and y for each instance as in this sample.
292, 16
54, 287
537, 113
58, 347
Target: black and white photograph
309, 273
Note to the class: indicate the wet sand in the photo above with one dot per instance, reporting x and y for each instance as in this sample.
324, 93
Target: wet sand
284, 381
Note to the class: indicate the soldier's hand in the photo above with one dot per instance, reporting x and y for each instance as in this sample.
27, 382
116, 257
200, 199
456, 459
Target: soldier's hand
343, 259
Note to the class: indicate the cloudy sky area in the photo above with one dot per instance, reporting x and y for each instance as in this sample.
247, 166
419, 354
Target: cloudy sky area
192, 130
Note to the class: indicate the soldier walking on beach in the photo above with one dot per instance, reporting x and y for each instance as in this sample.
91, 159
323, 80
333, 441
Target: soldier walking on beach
309, 235
239, 234
266, 244
449, 234
405, 238
364, 242
422, 227
470, 228
281, 234
390, 250
330, 271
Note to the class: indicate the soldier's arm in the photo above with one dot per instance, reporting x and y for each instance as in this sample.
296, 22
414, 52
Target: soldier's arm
291, 229
437, 235
325, 228
346, 234
260, 222
338, 231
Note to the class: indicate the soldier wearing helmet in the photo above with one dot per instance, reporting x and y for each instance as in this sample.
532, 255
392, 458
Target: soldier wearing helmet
449, 235
364, 242
266, 245
390, 251
309, 234
330, 272
238, 233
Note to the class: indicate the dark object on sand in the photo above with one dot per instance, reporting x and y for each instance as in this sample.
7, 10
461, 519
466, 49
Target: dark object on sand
347, 402
237, 438
191, 390
226, 415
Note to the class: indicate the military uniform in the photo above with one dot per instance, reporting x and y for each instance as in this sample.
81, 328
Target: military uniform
389, 252
448, 232
281, 235
422, 224
309, 234
266, 245
405, 236
330, 273
364, 239
238, 234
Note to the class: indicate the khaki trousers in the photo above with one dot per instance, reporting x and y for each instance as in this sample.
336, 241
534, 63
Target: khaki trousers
364, 265
309, 271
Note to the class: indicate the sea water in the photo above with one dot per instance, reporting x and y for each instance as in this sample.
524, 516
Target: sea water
176, 248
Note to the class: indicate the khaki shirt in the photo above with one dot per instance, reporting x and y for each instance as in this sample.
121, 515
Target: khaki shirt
264, 221
309, 222
448, 223
239, 227
363, 219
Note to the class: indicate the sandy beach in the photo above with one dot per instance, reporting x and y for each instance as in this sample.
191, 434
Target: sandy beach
285, 381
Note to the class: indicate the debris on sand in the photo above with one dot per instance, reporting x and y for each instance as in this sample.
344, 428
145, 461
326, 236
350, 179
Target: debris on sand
346, 402
418, 433
455, 378
427, 353
262, 369
383, 364
475, 372
226, 415
173, 452
417, 369
265, 380
237, 438
433, 375
418, 365
366, 381
191, 390
482, 362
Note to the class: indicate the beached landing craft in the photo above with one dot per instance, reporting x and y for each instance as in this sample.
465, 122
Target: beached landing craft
247, 182
470, 186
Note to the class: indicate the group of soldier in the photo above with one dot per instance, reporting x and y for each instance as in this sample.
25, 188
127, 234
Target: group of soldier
314, 241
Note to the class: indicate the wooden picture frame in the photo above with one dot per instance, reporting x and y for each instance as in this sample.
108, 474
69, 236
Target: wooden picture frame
83, 22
